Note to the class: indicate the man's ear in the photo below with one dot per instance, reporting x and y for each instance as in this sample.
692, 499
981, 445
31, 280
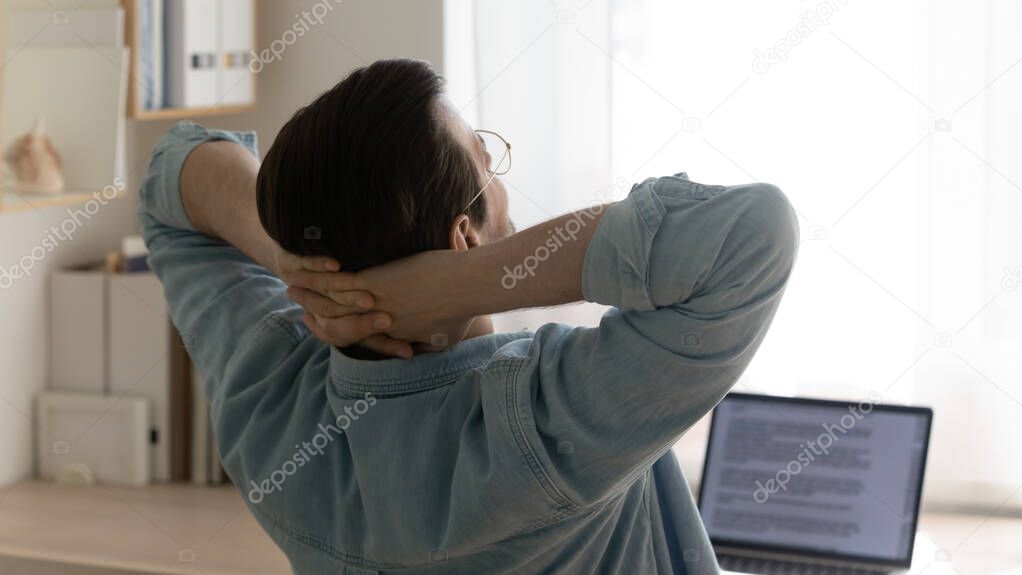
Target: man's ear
463, 235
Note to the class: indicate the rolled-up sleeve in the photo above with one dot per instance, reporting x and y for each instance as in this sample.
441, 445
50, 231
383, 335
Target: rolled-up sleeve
160, 207
218, 297
695, 274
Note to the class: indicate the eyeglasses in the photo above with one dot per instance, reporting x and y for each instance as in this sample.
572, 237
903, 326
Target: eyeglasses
493, 141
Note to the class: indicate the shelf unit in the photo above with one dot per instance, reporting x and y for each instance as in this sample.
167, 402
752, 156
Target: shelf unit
12, 202
136, 112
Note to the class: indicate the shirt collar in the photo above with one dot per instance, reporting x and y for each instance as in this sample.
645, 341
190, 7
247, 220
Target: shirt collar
356, 377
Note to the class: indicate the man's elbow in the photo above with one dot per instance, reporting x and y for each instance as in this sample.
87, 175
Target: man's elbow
777, 223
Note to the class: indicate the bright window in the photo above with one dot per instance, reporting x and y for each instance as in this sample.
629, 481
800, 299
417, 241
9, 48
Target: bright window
892, 127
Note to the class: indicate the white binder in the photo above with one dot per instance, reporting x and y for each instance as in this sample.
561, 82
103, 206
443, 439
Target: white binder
139, 355
237, 42
78, 331
193, 43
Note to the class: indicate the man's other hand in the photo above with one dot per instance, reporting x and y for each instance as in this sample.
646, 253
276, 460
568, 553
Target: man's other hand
419, 293
342, 318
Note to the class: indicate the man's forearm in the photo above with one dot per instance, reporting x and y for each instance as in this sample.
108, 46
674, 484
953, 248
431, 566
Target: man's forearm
539, 266
218, 193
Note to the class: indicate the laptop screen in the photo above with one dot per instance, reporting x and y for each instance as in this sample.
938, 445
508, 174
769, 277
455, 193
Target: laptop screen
834, 479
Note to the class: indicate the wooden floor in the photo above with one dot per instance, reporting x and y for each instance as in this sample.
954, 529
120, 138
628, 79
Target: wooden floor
172, 529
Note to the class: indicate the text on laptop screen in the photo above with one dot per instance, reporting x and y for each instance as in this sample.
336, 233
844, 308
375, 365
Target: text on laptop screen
840, 480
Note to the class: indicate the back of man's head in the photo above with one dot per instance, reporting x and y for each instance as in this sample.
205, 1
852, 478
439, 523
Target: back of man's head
369, 172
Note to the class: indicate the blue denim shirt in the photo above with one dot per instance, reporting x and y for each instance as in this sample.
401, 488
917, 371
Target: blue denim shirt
545, 452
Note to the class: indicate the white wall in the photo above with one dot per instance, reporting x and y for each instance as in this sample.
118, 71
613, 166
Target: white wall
353, 33
23, 308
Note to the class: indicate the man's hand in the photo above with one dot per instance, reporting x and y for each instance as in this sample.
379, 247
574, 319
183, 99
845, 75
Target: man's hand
344, 319
414, 293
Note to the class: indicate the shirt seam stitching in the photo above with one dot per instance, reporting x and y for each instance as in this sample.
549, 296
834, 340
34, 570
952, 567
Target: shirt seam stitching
405, 382
401, 382
318, 544
282, 324
648, 209
566, 504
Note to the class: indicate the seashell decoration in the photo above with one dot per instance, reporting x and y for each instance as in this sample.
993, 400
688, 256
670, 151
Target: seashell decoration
35, 163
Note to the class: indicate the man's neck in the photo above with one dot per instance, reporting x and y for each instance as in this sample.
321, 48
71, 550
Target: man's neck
481, 325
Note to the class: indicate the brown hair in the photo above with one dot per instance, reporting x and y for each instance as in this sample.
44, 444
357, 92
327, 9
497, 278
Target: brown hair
368, 172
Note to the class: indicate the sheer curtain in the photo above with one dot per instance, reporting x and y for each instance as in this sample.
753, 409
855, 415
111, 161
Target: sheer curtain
526, 71
893, 128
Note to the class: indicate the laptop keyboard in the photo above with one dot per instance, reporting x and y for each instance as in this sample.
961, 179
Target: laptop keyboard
779, 567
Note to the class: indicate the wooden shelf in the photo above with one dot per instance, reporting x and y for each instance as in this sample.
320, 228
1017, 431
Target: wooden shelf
189, 113
12, 202
136, 112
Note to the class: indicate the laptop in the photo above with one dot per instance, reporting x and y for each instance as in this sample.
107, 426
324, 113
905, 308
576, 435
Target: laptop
805, 486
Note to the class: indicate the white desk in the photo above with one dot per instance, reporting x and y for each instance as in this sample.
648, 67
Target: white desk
965, 544
925, 558
975, 544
